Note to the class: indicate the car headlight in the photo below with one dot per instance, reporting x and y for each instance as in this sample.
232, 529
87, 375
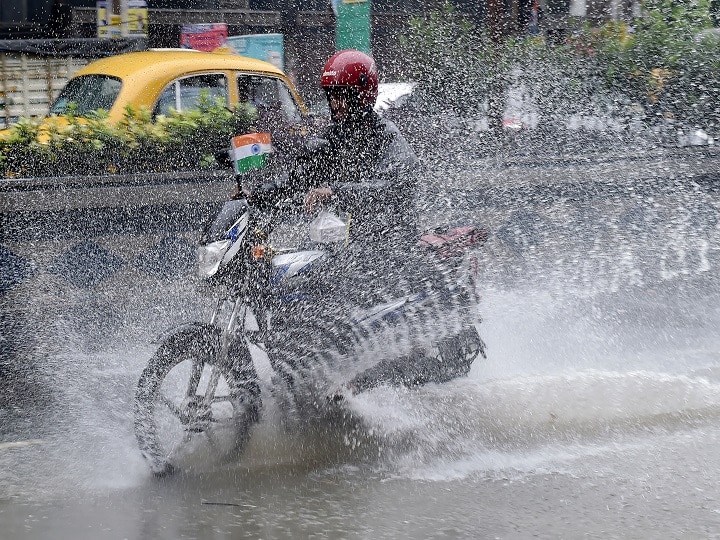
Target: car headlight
210, 257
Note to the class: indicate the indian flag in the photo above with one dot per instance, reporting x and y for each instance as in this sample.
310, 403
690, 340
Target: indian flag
249, 151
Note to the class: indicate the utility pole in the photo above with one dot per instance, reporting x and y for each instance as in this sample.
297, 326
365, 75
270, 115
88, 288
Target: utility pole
514, 12
495, 19
124, 18
496, 22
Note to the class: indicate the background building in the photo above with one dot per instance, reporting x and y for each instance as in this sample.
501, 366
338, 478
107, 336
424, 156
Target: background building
45, 18
308, 26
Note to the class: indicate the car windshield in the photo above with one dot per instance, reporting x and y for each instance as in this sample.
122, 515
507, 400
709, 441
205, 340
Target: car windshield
88, 93
394, 95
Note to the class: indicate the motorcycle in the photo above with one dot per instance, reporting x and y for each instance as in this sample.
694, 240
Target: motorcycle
200, 393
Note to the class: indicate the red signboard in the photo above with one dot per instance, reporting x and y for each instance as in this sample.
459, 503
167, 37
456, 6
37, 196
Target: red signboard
203, 37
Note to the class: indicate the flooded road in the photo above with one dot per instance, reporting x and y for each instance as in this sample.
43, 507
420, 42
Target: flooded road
617, 490
596, 414
537, 442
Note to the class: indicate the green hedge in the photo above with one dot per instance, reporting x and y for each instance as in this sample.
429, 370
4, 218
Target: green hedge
666, 65
70, 145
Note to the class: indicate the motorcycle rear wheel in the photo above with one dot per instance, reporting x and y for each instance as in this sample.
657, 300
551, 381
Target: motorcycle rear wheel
183, 420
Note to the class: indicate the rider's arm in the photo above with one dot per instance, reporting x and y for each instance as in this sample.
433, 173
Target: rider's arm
281, 185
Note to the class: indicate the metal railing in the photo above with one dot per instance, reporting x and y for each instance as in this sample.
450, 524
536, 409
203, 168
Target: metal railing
30, 83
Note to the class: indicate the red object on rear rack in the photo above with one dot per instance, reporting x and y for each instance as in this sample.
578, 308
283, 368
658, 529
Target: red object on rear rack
453, 242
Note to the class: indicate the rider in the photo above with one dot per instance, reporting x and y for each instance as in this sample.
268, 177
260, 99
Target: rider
363, 164
365, 167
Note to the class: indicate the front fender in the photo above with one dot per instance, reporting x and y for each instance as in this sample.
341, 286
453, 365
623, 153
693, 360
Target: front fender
188, 331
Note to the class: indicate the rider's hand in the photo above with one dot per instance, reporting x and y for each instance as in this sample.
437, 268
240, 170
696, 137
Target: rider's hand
240, 193
315, 198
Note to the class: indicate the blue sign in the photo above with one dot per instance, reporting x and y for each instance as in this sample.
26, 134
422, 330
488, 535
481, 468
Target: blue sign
267, 47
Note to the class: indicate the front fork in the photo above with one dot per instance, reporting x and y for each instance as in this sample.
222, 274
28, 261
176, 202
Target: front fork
198, 406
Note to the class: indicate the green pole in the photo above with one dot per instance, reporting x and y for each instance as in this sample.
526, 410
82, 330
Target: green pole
352, 30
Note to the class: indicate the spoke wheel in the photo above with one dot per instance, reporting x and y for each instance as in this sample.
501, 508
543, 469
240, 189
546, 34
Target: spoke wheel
192, 411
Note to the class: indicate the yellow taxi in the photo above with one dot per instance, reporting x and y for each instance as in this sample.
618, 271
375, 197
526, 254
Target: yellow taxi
164, 79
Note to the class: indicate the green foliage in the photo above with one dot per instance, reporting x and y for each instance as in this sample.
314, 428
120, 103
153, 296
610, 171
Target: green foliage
662, 67
455, 63
69, 145
665, 65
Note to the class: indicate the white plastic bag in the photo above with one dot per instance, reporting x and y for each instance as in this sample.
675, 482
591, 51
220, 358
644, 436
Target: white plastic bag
328, 228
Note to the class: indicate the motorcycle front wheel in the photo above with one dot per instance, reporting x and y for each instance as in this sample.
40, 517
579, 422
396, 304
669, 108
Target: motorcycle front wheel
192, 410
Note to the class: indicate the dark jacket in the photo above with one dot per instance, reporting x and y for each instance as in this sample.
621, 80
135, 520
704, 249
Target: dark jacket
372, 171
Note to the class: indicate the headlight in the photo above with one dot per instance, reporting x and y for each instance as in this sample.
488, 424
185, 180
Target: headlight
210, 257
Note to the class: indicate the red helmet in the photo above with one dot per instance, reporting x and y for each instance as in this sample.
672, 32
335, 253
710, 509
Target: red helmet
354, 69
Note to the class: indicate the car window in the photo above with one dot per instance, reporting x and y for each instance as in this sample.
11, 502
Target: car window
184, 94
167, 100
268, 95
88, 93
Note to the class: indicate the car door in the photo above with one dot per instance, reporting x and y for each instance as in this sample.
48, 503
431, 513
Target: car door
184, 93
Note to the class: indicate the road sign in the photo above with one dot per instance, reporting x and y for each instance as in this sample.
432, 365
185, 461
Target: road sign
131, 21
268, 47
352, 30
